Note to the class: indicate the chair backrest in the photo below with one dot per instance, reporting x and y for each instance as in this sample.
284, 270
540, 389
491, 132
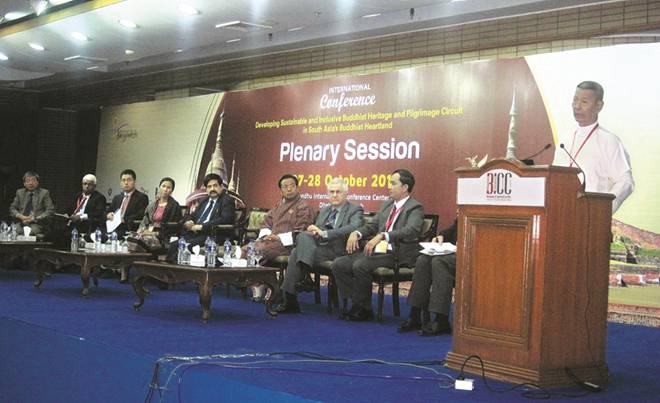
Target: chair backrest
253, 223
430, 227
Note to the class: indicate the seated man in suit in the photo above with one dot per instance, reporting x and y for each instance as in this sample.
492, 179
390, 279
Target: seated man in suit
130, 203
291, 215
217, 209
324, 240
88, 211
432, 286
32, 206
400, 219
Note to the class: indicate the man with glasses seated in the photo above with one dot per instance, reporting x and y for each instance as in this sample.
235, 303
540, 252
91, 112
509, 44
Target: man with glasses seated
217, 209
324, 240
290, 216
88, 209
32, 206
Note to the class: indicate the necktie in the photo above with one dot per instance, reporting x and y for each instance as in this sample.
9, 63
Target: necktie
124, 204
81, 202
28, 206
390, 220
330, 220
207, 213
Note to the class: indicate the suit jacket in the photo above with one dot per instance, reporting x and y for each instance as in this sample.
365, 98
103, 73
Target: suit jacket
42, 204
349, 218
406, 231
449, 234
172, 214
95, 210
223, 212
134, 210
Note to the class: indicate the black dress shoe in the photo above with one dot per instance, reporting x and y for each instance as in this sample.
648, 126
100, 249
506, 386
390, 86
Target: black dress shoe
435, 329
287, 308
362, 315
409, 325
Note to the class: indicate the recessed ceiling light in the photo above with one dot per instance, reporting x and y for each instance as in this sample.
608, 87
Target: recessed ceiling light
233, 40
37, 46
371, 15
178, 51
129, 51
92, 67
295, 29
226, 24
14, 15
127, 23
79, 36
3, 56
39, 6
187, 10
58, 2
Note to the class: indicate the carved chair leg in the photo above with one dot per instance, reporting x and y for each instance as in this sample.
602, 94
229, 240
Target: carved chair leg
381, 298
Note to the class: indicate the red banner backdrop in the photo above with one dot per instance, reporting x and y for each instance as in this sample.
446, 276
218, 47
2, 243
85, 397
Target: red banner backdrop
428, 120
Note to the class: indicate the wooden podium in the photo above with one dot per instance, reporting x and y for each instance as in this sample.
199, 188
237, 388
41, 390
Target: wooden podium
532, 275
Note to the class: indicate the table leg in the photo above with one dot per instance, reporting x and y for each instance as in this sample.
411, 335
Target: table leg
140, 291
274, 289
84, 277
205, 300
41, 275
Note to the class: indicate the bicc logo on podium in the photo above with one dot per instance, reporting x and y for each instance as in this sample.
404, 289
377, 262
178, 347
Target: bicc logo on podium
501, 187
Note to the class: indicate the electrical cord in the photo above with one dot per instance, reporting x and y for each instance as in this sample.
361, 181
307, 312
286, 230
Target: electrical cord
538, 392
445, 381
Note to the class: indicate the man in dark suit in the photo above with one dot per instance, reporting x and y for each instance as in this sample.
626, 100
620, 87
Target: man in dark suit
399, 220
432, 285
32, 206
88, 210
130, 203
217, 209
324, 240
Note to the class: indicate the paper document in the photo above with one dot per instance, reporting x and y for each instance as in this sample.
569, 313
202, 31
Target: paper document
286, 238
112, 225
435, 249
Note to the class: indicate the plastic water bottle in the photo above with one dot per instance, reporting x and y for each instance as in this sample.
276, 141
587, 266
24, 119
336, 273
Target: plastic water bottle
226, 259
74, 240
250, 254
182, 249
114, 243
14, 232
211, 252
98, 236
3, 231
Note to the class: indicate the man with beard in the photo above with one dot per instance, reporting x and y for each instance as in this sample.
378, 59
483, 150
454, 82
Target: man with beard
89, 207
217, 209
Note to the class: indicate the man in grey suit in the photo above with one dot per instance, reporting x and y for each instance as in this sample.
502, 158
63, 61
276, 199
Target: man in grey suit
399, 220
324, 240
32, 204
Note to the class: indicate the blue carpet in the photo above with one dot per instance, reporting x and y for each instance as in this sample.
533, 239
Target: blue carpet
58, 346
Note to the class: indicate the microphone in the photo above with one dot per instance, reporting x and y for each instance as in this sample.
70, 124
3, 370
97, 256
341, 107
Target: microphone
545, 147
584, 175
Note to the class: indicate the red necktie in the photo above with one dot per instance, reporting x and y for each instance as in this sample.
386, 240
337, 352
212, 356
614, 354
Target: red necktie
124, 204
81, 201
390, 221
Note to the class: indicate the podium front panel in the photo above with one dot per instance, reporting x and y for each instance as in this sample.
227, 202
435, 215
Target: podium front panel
498, 276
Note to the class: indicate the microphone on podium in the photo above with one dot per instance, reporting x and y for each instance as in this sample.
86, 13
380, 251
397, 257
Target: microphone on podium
529, 160
584, 175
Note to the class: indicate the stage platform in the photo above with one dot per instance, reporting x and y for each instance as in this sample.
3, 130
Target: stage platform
57, 346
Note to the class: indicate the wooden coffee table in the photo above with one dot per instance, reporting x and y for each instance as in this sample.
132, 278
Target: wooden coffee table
206, 279
24, 249
89, 261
